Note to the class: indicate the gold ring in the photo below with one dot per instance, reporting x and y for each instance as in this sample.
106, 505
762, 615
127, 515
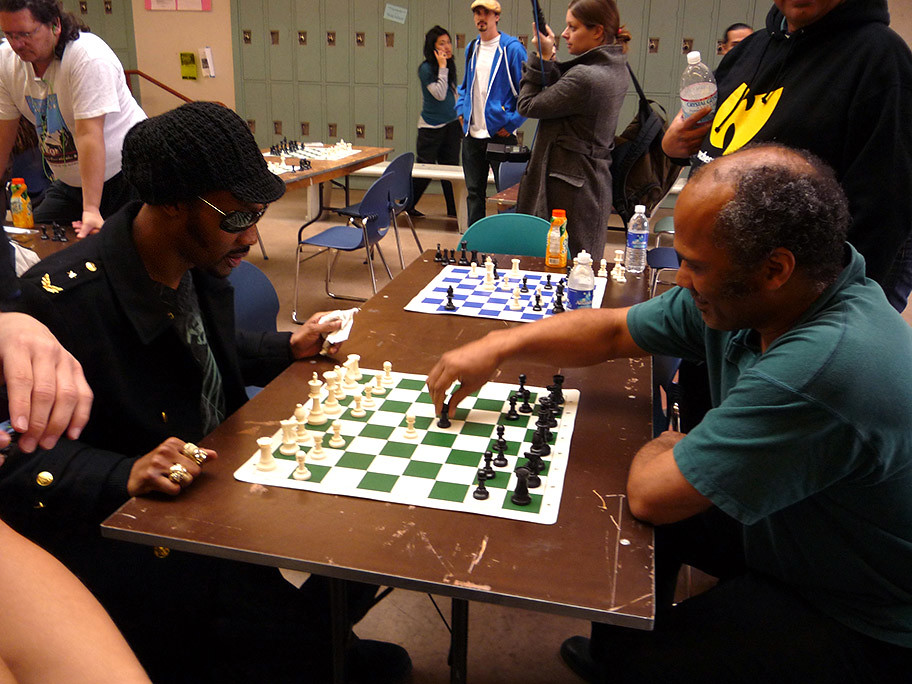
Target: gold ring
190, 450
179, 475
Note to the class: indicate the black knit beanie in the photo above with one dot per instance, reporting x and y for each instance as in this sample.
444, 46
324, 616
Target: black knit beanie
197, 148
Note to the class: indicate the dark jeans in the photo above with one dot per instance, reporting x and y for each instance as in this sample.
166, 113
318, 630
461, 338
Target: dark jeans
475, 166
748, 628
438, 146
62, 203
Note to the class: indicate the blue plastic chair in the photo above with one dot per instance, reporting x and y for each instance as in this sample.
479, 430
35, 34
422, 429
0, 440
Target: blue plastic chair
509, 174
661, 259
372, 226
518, 234
664, 227
256, 304
400, 198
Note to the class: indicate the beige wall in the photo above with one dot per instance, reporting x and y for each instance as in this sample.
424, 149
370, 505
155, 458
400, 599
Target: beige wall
901, 18
162, 36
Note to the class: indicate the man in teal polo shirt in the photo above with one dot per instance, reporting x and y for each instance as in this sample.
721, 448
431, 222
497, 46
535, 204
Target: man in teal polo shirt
796, 489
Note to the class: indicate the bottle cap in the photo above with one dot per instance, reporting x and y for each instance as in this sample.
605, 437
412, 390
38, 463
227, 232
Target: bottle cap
693, 57
558, 213
583, 258
639, 209
18, 181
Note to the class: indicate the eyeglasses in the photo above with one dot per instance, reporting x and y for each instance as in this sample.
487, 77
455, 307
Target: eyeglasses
21, 35
236, 221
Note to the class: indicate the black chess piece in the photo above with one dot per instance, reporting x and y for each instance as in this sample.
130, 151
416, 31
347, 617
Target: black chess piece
496, 274
537, 306
500, 460
475, 256
512, 414
522, 384
449, 306
549, 411
557, 306
452, 258
501, 442
488, 470
444, 420
463, 259
557, 395
548, 285
540, 444
44, 231
525, 286
526, 407
521, 493
481, 492
559, 290
438, 258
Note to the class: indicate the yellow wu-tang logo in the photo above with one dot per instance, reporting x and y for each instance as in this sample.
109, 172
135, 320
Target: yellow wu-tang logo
745, 122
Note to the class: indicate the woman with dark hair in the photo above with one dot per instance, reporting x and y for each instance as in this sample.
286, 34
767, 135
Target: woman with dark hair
578, 102
439, 133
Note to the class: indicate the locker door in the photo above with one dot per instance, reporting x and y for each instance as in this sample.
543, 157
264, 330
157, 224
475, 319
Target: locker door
398, 52
697, 30
663, 48
252, 40
395, 129
309, 41
339, 107
730, 11
256, 112
365, 41
282, 123
115, 27
310, 112
337, 42
279, 41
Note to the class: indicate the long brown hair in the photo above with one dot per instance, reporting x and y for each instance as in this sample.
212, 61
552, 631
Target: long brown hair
604, 13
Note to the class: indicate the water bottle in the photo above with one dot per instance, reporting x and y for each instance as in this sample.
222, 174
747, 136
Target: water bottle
581, 283
698, 87
20, 204
556, 250
637, 239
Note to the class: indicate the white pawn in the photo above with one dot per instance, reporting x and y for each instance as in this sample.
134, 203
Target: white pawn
289, 437
358, 412
388, 379
267, 460
337, 440
515, 270
603, 268
488, 284
353, 365
337, 387
300, 415
514, 302
473, 272
410, 431
379, 389
317, 452
505, 282
368, 397
301, 472
619, 256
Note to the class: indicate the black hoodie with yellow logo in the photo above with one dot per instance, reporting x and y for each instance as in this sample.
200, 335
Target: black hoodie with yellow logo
841, 88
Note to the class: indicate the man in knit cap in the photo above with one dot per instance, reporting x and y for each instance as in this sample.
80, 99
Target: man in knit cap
147, 310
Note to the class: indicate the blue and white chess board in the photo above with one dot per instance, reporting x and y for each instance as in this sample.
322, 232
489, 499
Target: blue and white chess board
471, 299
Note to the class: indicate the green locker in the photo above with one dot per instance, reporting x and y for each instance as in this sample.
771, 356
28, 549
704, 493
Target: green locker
397, 52
279, 43
282, 112
339, 107
311, 120
256, 112
697, 23
252, 43
395, 122
308, 41
366, 42
337, 42
365, 111
730, 11
114, 28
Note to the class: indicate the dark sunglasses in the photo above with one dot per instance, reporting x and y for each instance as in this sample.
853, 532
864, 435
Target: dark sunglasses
236, 221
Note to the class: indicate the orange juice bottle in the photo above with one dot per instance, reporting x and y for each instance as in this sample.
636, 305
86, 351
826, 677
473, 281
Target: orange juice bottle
556, 250
20, 204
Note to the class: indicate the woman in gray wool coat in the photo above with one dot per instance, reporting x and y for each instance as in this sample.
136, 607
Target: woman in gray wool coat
570, 167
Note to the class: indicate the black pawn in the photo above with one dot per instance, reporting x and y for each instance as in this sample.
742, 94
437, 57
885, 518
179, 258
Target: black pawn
539, 444
452, 258
559, 290
501, 442
444, 420
439, 256
488, 470
475, 256
44, 231
481, 492
521, 494
500, 460
526, 407
522, 384
548, 284
538, 306
535, 465
449, 306
557, 306
496, 274
512, 414
557, 395
463, 259
525, 286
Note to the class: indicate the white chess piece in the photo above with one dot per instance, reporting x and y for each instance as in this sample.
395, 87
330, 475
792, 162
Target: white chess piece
358, 412
301, 472
488, 284
603, 268
300, 415
316, 415
337, 440
267, 461
337, 388
515, 270
388, 379
317, 452
410, 431
473, 271
349, 381
331, 406
354, 361
369, 397
514, 302
289, 437
379, 389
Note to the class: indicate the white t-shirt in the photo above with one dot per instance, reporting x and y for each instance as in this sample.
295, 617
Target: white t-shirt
487, 50
88, 82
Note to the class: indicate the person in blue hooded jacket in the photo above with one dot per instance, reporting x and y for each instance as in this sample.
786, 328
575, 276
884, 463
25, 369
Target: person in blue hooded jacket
486, 100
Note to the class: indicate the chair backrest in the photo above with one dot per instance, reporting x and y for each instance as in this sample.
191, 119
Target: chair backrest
401, 189
518, 234
256, 304
509, 174
375, 206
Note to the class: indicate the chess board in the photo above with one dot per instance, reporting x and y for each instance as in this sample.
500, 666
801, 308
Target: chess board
471, 300
437, 468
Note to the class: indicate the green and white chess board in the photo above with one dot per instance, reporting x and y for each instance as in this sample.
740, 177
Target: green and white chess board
437, 467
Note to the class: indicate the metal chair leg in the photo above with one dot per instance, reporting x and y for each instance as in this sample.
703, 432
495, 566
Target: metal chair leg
262, 246
396, 233
414, 234
298, 262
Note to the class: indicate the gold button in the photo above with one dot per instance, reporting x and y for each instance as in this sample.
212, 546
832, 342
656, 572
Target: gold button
170, 316
161, 551
91, 266
44, 478
164, 417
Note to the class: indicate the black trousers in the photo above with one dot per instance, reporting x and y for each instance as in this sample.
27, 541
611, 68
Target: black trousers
748, 628
63, 203
475, 165
438, 146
